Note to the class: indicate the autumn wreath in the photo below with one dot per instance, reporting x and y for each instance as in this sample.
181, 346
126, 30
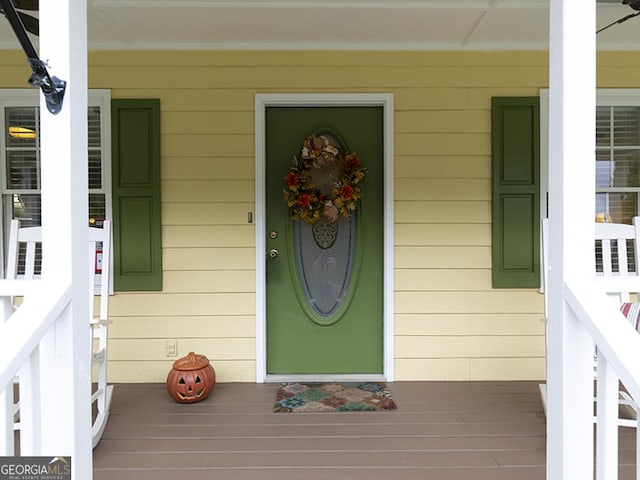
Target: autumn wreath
323, 181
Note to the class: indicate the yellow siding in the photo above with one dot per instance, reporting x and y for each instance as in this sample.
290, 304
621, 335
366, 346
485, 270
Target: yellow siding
180, 168
442, 188
148, 349
186, 236
450, 369
135, 371
442, 257
488, 301
201, 326
192, 213
506, 368
467, 346
443, 234
451, 166
165, 304
419, 211
462, 369
470, 324
449, 323
223, 259
455, 280
207, 191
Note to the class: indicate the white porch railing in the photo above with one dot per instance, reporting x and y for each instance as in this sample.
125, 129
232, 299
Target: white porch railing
20, 338
45, 340
618, 346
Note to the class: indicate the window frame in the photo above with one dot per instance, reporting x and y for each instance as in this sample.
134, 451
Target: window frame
31, 98
605, 97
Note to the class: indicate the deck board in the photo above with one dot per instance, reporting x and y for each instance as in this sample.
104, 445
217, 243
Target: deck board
441, 430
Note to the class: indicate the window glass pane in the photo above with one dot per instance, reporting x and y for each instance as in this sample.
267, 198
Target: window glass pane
617, 163
626, 124
616, 207
22, 153
97, 207
21, 124
22, 170
626, 171
94, 127
23, 174
27, 209
623, 170
95, 169
604, 169
95, 152
603, 126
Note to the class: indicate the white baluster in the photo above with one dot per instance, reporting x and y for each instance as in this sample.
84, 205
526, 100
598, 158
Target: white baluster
607, 421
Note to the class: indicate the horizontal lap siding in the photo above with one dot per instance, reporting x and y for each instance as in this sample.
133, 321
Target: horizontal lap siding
208, 299
449, 323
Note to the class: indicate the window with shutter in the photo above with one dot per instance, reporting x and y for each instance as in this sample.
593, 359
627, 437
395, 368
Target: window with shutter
617, 163
20, 170
617, 157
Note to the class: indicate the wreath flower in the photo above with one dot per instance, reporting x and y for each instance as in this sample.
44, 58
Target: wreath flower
323, 182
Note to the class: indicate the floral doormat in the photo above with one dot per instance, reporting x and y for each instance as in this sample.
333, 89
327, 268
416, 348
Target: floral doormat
333, 397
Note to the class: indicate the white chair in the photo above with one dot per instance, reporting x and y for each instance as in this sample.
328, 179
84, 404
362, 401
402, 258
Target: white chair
23, 262
617, 248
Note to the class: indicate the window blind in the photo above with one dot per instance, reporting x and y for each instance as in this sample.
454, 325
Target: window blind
21, 187
617, 163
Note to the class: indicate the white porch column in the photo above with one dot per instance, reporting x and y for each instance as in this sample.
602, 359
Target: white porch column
65, 353
571, 232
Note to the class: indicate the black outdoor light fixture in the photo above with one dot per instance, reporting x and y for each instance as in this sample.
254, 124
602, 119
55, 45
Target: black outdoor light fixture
52, 87
634, 4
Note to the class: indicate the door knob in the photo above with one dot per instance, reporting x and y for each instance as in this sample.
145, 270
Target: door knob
273, 253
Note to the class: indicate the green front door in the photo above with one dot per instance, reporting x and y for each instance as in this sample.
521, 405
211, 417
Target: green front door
324, 276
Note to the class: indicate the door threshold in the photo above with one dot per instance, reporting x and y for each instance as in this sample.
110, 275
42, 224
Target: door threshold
326, 377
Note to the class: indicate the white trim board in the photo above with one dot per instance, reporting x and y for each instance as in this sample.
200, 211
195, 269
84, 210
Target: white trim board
262, 101
324, 378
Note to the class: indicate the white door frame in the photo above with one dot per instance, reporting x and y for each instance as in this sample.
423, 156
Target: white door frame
262, 101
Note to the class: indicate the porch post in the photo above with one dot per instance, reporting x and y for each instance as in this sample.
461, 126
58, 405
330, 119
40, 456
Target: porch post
572, 96
65, 351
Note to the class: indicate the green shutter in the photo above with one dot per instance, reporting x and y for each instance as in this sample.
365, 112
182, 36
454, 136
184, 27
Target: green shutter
137, 242
515, 127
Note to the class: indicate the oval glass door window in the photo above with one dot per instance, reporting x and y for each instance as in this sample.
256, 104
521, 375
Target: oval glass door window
324, 253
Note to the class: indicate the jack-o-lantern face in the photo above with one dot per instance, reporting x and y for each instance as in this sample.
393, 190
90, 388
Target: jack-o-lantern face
190, 386
192, 379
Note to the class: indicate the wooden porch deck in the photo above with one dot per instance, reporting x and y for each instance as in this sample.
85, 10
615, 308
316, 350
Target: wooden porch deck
441, 430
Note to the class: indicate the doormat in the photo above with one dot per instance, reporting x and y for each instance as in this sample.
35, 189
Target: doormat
333, 397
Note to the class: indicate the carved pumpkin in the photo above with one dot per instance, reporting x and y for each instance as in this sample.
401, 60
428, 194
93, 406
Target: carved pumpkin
191, 379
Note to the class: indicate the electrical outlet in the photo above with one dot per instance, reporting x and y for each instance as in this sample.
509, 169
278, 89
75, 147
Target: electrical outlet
172, 348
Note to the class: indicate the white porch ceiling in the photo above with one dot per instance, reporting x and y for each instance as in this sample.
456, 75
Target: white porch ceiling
334, 24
